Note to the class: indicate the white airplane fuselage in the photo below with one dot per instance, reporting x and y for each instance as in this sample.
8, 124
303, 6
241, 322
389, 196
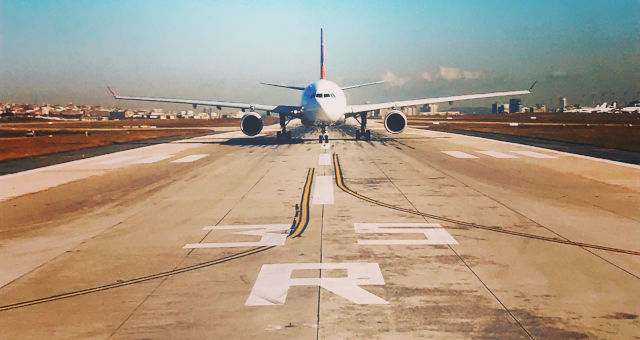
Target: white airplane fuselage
323, 103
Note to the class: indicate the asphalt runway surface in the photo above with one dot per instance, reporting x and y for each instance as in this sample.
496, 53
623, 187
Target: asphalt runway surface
420, 235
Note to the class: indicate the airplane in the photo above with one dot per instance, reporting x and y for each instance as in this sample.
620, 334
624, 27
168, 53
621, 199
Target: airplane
323, 104
598, 108
631, 109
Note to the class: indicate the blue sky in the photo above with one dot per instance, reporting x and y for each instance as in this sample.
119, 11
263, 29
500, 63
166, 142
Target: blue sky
61, 51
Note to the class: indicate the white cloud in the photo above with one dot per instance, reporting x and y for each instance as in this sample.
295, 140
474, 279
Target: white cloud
427, 76
450, 73
392, 79
558, 74
455, 73
471, 75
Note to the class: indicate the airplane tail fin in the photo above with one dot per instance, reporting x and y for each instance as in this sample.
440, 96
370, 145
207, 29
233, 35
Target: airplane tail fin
323, 71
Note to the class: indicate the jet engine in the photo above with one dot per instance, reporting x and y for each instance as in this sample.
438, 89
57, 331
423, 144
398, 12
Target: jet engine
251, 124
395, 121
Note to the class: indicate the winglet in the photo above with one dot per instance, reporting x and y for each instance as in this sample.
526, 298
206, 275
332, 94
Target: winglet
112, 93
532, 85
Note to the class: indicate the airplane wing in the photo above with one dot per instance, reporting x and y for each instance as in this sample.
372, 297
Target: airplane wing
292, 110
370, 107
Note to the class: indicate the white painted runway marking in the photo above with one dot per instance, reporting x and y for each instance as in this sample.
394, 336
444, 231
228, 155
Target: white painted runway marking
534, 154
152, 159
271, 235
434, 233
459, 154
115, 160
324, 159
323, 190
325, 146
190, 158
497, 154
450, 135
273, 282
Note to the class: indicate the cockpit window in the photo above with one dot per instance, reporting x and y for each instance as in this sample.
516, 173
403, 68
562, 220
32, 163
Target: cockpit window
326, 95
318, 95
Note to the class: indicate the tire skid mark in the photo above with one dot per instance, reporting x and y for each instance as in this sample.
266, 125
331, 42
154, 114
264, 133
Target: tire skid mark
343, 187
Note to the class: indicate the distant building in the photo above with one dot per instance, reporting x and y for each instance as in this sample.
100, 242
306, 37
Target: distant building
502, 108
540, 108
563, 102
514, 105
495, 107
113, 115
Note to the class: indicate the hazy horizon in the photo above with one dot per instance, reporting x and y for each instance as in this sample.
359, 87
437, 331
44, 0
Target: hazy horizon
67, 51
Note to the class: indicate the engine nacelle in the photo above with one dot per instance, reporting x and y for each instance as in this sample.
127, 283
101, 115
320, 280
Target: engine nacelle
395, 121
251, 124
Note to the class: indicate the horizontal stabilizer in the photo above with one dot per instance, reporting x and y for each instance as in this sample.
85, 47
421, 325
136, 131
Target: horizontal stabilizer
361, 85
285, 86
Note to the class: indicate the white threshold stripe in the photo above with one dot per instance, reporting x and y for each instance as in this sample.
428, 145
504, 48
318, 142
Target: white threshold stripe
596, 159
534, 154
323, 190
190, 158
496, 154
459, 154
118, 159
152, 159
324, 159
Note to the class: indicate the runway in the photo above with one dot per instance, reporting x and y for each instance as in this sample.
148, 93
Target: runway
420, 235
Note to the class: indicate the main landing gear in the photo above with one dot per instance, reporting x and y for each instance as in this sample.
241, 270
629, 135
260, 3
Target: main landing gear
324, 136
363, 133
283, 134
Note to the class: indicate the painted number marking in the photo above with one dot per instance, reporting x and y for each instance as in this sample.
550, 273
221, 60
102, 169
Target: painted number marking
434, 233
271, 235
274, 280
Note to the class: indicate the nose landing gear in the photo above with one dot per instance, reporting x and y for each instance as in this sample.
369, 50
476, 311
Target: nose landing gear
323, 136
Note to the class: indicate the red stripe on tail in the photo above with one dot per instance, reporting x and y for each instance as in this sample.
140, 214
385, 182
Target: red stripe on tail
323, 71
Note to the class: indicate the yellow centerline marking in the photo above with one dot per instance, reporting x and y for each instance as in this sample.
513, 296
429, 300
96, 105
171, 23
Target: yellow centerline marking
302, 219
343, 187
